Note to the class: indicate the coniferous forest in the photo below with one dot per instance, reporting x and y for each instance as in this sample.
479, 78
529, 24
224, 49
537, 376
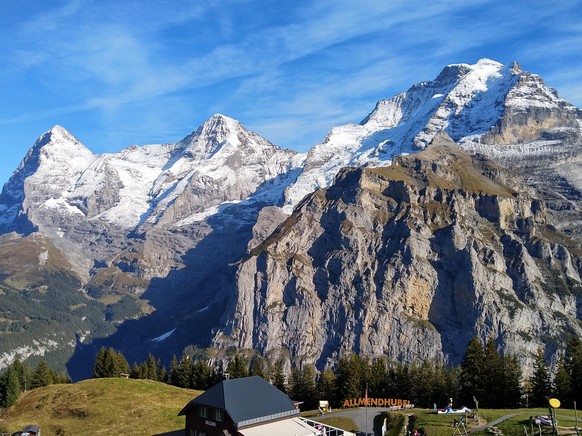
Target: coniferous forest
485, 375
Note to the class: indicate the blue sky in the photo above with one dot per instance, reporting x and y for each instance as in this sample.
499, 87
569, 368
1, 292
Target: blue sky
117, 73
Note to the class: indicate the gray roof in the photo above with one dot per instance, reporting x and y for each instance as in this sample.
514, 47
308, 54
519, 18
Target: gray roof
247, 400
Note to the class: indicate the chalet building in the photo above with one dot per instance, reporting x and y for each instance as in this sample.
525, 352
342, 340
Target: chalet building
247, 406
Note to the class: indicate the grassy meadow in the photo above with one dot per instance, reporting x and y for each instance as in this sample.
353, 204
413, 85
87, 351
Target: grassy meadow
104, 406
107, 406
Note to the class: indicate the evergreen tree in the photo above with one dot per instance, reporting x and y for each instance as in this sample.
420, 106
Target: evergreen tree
258, 368
100, 367
278, 376
308, 388
122, 364
540, 381
471, 374
201, 373
574, 366
174, 368
351, 376
151, 368
162, 374
404, 382
137, 371
238, 367
392, 381
301, 386
24, 374
440, 388
427, 384
492, 376
3, 384
378, 376
511, 382
294, 385
12, 387
112, 368
326, 386
184, 374
42, 376
452, 384
562, 382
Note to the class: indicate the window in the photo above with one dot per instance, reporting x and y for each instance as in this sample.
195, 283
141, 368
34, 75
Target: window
218, 414
202, 411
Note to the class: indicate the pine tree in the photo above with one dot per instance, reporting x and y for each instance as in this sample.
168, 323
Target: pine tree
492, 376
574, 366
351, 376
174, 368
471, 374
439, 387
202, 375
308, 388
111, 363
278, 376
294, 384
540, 381
511, 382
378, 377
42, 376
238, 367
163, 374
135, 371
121, 364
258, 368
100, 367
453, 384
562, 381
326, 386
12, 387
404, 382
24, 374
184, 375
151, 368
426, 384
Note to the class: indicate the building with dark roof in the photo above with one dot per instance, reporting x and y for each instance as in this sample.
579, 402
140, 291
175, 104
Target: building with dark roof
247, 406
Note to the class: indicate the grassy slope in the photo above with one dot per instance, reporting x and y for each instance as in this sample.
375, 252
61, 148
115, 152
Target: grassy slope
101, 407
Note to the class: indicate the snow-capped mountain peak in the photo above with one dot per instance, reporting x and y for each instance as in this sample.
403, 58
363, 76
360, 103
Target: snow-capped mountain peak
56, 146
479, 105
216, 132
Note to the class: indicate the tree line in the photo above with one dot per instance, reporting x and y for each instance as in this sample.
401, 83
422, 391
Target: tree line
495, 380
485, 375
19, 377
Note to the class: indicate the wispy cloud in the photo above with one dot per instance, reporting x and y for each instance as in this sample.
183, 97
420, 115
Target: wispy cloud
290, 70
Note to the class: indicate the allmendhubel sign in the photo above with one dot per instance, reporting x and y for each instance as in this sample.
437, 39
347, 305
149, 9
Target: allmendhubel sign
376, 402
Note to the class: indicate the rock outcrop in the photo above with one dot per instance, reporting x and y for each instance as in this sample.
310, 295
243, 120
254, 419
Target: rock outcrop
410, 261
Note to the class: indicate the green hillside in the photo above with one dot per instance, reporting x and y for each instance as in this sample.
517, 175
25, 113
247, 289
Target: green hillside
103, 406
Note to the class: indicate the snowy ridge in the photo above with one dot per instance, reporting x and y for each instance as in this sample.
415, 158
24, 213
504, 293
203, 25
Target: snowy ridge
466, 101
220, 162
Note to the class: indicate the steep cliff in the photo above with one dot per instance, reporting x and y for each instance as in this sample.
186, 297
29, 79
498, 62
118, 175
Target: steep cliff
411, 261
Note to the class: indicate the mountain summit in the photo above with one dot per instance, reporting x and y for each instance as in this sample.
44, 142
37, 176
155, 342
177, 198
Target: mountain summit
372, 239
481, 106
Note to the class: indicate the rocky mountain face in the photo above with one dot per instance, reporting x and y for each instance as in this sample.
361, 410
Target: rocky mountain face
125, 222
410, 261
225, 239
500, 111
